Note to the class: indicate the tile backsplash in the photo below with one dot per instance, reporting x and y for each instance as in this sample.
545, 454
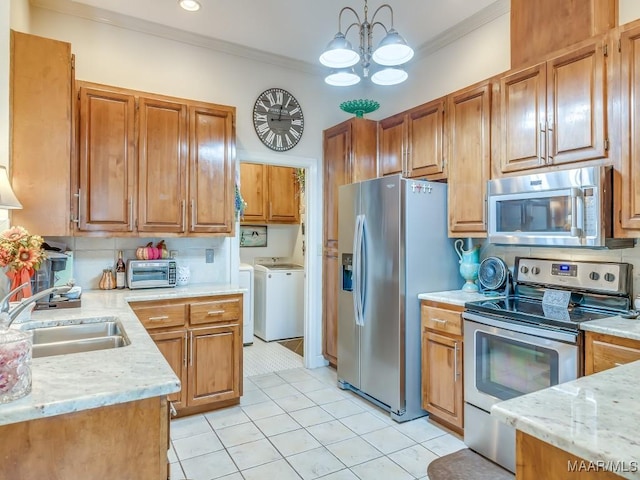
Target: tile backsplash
92, 255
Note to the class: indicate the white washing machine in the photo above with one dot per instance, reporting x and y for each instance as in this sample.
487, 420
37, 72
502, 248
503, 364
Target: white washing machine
245, 280
279, 301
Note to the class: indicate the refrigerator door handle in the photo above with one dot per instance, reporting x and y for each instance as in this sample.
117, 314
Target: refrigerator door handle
362, 264
356, 270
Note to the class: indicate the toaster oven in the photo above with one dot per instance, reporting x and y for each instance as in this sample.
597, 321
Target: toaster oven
151, 273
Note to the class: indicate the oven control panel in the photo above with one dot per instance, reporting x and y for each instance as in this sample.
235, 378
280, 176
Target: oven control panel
607, 277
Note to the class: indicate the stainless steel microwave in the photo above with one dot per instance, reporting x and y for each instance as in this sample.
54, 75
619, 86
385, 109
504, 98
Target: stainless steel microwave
567, 208
151, 273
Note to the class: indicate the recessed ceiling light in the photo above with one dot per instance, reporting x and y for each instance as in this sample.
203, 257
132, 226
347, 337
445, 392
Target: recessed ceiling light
190, 5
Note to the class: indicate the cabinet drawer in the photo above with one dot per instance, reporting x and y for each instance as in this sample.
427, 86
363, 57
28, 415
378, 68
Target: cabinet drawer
160, 314
602, 355
221, 309
441, 320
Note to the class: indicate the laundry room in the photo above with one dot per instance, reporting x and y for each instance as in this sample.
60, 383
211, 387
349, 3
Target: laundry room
272, 245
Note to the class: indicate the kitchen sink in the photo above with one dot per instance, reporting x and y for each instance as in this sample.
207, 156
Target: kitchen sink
85, 337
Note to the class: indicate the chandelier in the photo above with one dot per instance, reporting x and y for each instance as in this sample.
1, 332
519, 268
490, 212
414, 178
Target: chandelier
391, 52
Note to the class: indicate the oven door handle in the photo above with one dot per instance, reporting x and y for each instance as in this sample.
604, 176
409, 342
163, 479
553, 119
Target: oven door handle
542, 331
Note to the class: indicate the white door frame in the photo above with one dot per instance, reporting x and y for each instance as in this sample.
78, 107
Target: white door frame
313, 256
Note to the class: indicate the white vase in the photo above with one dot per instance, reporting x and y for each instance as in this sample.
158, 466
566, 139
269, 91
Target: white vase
183, 275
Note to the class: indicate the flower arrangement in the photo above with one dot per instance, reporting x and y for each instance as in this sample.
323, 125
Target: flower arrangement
21, 254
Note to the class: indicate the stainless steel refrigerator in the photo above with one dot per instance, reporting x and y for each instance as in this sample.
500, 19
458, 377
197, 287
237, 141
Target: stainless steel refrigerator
392, 245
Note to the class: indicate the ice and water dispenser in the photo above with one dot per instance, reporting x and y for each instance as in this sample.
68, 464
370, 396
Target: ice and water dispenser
347, 272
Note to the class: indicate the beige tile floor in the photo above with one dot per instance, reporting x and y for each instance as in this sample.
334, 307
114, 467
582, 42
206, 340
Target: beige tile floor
297, 424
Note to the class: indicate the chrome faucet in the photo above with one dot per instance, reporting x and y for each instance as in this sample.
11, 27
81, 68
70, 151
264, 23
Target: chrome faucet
14, 312
4, 303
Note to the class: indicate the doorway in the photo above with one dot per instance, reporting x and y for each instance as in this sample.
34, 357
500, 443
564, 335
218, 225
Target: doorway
312, 338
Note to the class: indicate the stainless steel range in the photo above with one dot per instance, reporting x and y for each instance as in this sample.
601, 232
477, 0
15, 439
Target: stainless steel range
531, 340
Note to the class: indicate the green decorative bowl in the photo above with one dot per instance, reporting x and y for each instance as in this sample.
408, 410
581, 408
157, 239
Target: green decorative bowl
360, 107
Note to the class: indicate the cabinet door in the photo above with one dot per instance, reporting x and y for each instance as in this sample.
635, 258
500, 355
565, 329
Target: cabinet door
425, 155
253, 185
162, 162
469, 127
392, 144
605, 351
41, 132
576, 105
331, 271
630, 84
337, 159
212, 170
283, 195
107, 161
522, 119
442, 377
214, 364
173, 346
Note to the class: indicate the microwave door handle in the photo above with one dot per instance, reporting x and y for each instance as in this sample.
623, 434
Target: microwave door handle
575, 230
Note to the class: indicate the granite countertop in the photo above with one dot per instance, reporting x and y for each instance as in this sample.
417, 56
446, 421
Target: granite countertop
455, 297
594, 417
617, 326
80, 381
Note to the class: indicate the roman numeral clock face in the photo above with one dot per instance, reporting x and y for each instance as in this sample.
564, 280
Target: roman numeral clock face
278, 120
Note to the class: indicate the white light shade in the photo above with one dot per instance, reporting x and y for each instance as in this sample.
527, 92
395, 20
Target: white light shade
190, 5
339, 53
389, 76
8, 199
342, 78
392, 50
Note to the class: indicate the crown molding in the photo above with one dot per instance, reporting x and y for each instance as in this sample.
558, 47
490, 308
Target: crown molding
107, 17
475, 21
81, 10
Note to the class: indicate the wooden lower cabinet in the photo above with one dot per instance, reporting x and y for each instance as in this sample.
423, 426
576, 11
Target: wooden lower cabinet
331, 270
201, 338
537, 460
127, 441
607, 351
442, 380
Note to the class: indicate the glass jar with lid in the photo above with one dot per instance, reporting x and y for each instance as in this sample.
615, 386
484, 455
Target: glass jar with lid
16, 348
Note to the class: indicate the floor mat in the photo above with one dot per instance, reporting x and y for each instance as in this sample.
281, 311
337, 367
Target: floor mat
466, 465
265, 357
296, 345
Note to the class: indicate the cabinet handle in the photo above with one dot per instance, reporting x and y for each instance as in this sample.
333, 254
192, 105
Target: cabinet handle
455, 362
191, 350
155, 319
172, 409
439, 320
541, 144
193, 215
130, 214
549, 143
215, 312
77, 219
184, 215
186, 345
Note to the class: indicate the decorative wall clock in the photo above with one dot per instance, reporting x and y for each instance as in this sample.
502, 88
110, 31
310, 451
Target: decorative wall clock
278, 119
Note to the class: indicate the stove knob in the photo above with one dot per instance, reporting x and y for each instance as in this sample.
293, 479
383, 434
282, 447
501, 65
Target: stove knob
609, 277
535, 270
524, 269
594, 276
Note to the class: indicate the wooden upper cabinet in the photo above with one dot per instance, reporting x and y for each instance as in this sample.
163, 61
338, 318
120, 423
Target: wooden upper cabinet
425, 155
107, 161
392, 144
541, 27
162, 166
411, 143
469, 148
253, 185
212, 170
284, 205
630, 107
41, 93
522, 117
555, 113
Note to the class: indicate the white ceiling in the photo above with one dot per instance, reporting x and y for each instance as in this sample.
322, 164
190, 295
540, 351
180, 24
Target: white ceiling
294, 29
